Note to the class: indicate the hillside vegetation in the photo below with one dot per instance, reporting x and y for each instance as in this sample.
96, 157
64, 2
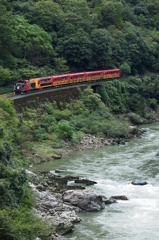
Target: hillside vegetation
46, 37
30, 133
52, 37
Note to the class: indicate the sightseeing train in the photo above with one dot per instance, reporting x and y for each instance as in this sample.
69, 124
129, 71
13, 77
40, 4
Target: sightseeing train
34, 84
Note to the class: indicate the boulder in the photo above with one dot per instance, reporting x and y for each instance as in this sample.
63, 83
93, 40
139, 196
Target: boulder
85, 181
85, 200
60, 170
139, 182
34, 178
122, 197
109, 200
56, 156
157, 154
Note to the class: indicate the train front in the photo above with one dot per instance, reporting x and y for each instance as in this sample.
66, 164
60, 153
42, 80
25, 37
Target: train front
21, 86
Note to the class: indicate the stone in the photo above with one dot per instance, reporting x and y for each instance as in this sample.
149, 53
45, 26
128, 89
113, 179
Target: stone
85, 181
123, 197
33, 176
60, 170
85, 200
157, 154
139, 182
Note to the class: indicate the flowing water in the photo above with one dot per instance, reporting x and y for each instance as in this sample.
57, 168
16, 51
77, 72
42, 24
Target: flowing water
113, 168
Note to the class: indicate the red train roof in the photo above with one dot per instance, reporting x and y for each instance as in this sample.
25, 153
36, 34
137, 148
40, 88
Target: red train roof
77, 74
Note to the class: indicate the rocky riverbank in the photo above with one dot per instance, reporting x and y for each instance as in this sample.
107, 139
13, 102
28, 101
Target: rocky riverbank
58, 203
87, 142
93, 142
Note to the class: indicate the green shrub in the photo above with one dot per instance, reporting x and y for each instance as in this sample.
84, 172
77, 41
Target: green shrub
134, 102
135, 119
41, 134
64, 130
5, 153
11, 186
20, 223
77, 137
125, 68
4, 75
48, 123
63, 114
153, 103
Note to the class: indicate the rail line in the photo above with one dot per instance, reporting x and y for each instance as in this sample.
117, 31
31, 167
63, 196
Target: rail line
53, 89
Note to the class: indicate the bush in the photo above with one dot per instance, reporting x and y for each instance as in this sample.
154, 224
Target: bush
77, 137
153, 103
64, 130
4, 76
12, 186
134, 102
125, 68
20, 223
135, 119
64, 114
41, 134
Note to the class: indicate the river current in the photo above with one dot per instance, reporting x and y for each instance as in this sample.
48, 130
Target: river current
113, 168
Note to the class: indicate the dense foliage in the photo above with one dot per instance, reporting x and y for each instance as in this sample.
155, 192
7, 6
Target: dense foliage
46, 37
17, 220
50, 37
93, 113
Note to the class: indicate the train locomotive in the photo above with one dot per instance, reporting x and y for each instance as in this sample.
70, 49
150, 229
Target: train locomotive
35, 84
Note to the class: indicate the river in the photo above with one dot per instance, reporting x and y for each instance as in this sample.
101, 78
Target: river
113, 168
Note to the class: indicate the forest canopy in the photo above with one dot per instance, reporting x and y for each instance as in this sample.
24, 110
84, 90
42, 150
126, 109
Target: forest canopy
46, 37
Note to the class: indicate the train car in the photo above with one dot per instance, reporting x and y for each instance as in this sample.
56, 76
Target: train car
77, 78
25, 86
114, 73
60, 80
96, 75
33, 84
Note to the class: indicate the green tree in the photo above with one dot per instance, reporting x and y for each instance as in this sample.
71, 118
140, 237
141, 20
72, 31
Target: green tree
112, 13
48, 15
4, 76
91, 100
32, 43
78, 13
76, 50
135, 102
101, 49
125, 68
7, 38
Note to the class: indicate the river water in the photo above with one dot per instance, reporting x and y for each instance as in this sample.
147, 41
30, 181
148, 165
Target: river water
113, 168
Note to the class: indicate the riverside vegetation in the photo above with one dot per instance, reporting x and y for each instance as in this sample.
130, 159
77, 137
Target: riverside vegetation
46, 128
40, 38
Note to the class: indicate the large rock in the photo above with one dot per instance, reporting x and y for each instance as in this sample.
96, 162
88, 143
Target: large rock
157, 154
85, 181
33, 177
121, 197
85, 200
139, 182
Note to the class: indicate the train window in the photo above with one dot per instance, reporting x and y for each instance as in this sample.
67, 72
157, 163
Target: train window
32, 85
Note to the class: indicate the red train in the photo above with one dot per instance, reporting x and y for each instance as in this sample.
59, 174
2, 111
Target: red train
25, 86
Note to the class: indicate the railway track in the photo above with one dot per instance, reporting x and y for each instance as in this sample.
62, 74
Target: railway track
51, 89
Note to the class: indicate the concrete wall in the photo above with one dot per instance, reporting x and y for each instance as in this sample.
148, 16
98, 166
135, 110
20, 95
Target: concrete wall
63, 95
